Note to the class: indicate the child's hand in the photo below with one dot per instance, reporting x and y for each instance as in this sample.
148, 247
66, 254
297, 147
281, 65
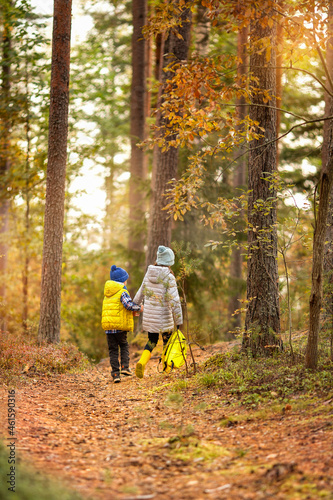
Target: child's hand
137, 313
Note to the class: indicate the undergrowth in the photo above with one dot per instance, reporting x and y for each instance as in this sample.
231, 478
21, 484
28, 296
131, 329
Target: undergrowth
253, 381
21, 357
243, 380
27, 484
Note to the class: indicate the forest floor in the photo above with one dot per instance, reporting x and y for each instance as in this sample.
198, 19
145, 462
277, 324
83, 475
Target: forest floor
163, 437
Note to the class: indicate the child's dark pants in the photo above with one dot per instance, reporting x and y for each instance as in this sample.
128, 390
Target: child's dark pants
118, 341
153, 339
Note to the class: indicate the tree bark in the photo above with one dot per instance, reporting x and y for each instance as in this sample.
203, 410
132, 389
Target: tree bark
239, 180
49, 325
279, 62
262, 323
323, 222
5, 155
328, 257
326, 181
138, 128
25, 273
201, 31
165, 164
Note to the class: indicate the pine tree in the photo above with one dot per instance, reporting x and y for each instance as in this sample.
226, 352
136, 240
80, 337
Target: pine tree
239, 180
165, 162
49, 325
138, 129
5, 149
262, 321
323, 215
327, 145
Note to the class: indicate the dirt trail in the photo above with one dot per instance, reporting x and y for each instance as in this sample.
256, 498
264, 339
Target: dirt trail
134, 440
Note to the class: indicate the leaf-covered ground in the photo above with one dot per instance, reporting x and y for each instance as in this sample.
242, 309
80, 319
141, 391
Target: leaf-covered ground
165, 437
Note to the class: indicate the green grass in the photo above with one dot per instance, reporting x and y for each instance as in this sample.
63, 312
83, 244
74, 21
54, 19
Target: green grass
29, 485
174, 400
189, 448
257, 383
266, 380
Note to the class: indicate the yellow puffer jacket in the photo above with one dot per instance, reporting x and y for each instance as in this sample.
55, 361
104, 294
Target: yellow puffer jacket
114, 314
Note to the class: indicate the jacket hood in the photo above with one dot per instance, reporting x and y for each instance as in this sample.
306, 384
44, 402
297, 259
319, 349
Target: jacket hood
156, 274
112, 287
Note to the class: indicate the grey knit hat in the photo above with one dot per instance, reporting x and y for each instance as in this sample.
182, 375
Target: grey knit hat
165, 256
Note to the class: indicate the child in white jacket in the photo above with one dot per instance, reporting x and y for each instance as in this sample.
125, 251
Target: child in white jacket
162, 308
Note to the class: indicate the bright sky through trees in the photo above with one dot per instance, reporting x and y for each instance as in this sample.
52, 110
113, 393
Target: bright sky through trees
89, 186
80, 23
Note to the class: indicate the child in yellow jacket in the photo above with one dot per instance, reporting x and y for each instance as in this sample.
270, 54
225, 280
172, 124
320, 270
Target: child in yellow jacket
117, 320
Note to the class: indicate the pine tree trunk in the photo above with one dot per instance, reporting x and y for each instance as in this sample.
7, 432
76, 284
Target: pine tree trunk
328, 258
4, 156
323, 223
108, 232
49, 325
326, 181
165, 164
138, 126
262, 321
25, 273
239, 180
202, 29
279, 62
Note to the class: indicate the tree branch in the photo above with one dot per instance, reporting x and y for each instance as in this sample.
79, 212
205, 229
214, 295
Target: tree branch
325, 66
306, 122
266, 106
307, 73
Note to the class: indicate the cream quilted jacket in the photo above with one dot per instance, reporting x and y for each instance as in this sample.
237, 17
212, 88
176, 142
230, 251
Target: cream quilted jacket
162, 309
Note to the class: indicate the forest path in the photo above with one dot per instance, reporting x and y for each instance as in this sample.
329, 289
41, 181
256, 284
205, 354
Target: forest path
140, 439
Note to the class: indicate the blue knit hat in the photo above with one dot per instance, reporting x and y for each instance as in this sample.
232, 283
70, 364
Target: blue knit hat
118, 274
165, 256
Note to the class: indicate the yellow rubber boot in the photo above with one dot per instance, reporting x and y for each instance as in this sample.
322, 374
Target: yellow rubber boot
140, 367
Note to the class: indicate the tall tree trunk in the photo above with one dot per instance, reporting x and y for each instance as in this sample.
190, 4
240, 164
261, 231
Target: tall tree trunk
138, 129
239, 180
322, 231
149, 72
108, 232
326, 181
201, 31
279, 61
262, 323
25, 274
4, 155
328, 258
49, 325
165, 163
